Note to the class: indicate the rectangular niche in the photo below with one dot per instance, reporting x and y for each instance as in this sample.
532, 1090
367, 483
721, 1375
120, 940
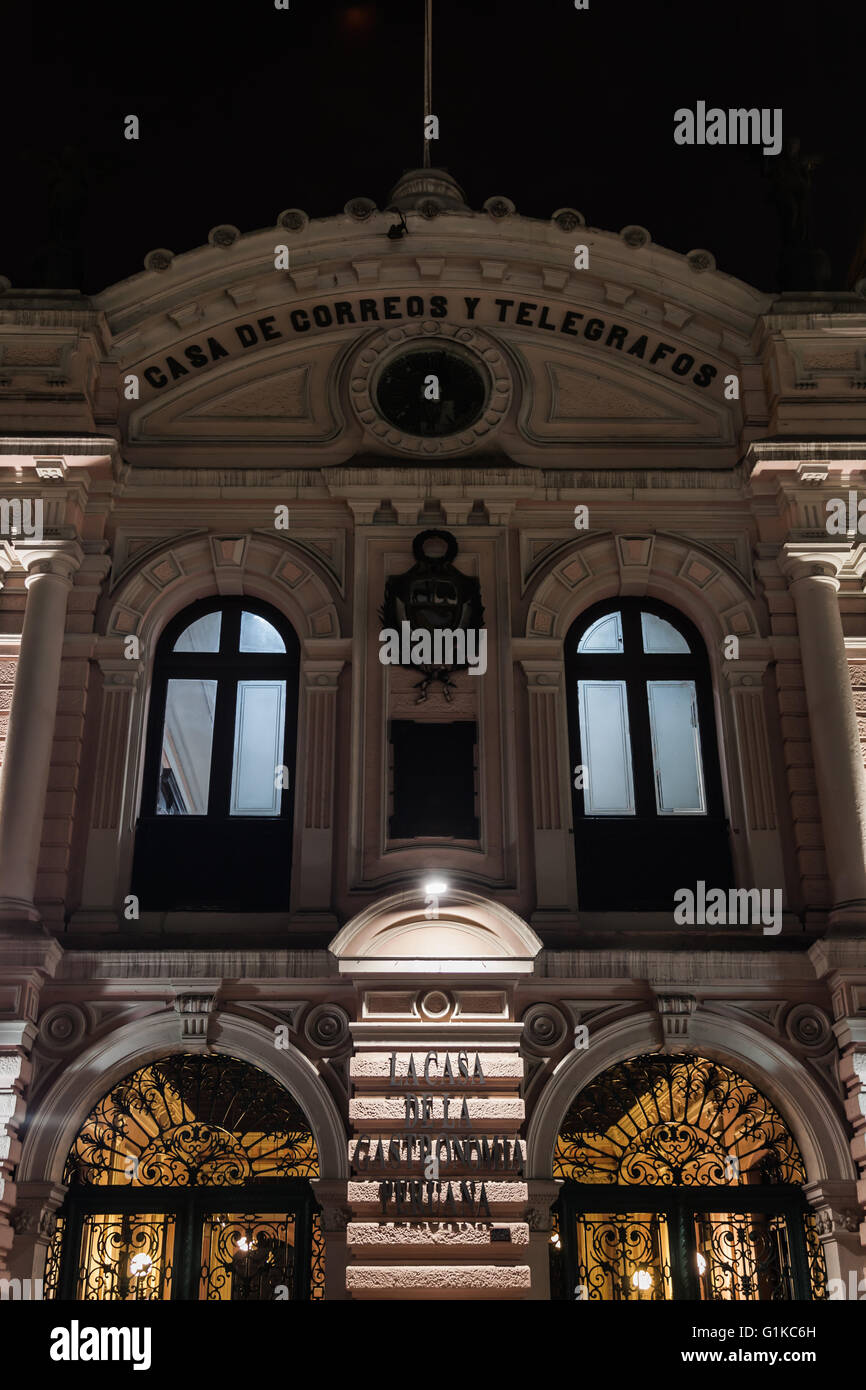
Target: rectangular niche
433, 778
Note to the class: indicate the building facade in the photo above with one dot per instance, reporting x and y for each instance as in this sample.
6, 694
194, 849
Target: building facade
338, 965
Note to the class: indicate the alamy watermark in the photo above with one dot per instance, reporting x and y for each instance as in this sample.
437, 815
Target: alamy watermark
438, 647
736, 126
21, 517
719, 907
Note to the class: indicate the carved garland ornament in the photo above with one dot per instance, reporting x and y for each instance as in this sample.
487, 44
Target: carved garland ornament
383, 346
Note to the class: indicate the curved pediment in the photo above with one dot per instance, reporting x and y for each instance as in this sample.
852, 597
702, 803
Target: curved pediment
635, 347
400, 934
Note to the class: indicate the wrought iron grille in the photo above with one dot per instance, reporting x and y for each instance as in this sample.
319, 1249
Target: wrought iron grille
51, 1277
817, 1259
317, 1263
743, 1257
623, 1258
675, 1121
247, 1258
193, 1120
126, 1257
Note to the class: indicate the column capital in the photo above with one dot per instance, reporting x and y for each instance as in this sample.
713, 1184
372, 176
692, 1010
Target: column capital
61, 559
7, 560
746, 673
801, 561
543, 675
322, 675
118, 673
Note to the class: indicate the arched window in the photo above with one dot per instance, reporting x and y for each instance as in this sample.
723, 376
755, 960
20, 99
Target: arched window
216, 816
681, 1182
648, 809
189, 1180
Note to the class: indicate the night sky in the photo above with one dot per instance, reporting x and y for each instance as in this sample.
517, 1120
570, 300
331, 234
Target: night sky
246, 110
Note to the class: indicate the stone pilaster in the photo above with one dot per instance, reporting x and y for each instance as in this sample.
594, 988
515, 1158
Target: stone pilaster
312, 891
34, 1220
27, 759
25, 963
555, 875
107, 865
745, 679
843, 964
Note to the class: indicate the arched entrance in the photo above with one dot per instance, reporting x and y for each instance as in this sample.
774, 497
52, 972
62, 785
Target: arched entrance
681, 1182
189, 1180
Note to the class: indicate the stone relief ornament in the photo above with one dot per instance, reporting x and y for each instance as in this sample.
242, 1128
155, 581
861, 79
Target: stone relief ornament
360, 208
293, 219
62, 1028
327, 1027
701, 261
223, 236
499, 207
160, 259
809, 1027
544, 1028
567, 219
635, 237
431, 387
433, 598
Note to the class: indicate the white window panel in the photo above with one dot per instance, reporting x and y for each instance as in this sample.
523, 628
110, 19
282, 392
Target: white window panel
676, 745
605, 745
258, 635
604, 635
187, 738
201, 636
660, 636
258, 754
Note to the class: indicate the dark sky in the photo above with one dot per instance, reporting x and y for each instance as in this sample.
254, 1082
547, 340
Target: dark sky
246, 110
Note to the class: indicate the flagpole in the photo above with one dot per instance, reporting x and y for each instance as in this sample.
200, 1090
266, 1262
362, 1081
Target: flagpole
428, 72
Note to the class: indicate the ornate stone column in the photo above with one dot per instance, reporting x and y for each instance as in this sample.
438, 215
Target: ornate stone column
26, 961
34, 1221
555, 874
27, 760
842, 963
839, 772
313, 885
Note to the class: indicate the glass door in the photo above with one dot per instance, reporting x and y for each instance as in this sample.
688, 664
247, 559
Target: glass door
211, 1245
247, 1258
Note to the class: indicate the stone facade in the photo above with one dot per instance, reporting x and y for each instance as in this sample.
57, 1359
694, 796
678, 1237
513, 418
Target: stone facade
162, 426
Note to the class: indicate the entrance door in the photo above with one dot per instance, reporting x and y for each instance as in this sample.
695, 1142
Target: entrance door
645, 1247
211, 1245
681, 1181
189, 1180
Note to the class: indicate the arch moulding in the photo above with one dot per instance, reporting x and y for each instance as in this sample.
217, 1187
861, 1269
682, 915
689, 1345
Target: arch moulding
261, 565
163, 583
779, 1076
671, 568
709, 590
68, 1102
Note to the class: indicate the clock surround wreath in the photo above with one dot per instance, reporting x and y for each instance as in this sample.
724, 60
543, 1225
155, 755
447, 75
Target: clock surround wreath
476, 348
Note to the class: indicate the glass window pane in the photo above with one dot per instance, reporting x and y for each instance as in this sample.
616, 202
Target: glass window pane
661, 636
258, 635
201, 636
605, 748
604, 635
259, 725
676, 743
187, 737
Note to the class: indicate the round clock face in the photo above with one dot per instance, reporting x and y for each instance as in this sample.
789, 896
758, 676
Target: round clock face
431, 391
